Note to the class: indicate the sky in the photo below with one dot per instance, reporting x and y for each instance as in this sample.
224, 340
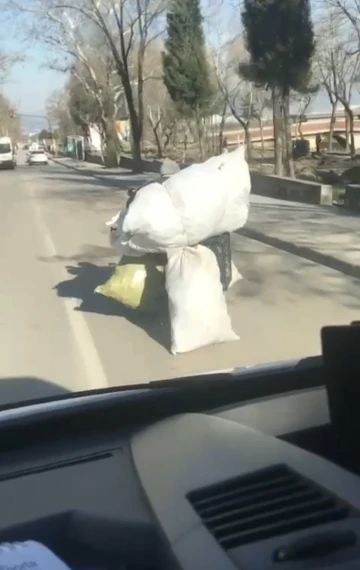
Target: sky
31, 82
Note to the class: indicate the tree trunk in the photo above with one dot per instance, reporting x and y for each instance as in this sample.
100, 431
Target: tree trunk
156, 125
102, 153
278, 128
185, 141
261, 129
158, 144
248, 142
350, 122
135, 123
113, 147
300, 131
168, 135
222, 127
331, 130
283, 136
352, 137
347, 132
207, 149
199, 129
290, 168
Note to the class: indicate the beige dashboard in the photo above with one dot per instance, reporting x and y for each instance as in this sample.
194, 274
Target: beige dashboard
193, 451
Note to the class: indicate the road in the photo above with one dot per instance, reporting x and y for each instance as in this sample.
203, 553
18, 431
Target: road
61, 337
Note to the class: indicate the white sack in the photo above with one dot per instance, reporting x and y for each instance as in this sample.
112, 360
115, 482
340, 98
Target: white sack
152, 223
200, 201
116, 236
197, 306
212, 197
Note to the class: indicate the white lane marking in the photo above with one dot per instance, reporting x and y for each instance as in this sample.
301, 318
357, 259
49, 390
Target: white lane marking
87, 350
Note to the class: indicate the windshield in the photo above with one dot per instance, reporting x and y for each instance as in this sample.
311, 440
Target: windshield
5, 148
135, 251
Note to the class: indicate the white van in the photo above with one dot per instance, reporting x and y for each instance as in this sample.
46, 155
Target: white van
7, 153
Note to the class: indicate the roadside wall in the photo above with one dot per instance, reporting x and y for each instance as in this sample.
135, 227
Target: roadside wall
272, 186
290, 189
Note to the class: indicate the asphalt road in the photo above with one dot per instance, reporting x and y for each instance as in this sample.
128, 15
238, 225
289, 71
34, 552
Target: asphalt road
58, 336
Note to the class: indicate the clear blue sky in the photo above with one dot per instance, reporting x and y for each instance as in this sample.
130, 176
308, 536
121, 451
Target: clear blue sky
31, 83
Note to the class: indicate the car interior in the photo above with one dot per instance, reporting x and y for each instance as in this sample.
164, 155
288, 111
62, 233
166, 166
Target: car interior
258, 469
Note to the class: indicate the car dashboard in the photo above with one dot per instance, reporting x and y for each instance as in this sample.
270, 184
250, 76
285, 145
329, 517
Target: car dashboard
155, 485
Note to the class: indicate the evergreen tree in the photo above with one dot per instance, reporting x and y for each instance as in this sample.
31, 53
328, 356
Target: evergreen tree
185, 66
280, 40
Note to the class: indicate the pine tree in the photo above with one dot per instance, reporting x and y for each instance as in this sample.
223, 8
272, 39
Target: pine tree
280, 40
185, 66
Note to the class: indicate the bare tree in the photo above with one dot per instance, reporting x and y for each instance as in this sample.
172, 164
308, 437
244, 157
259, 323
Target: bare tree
7, 61
127, 27
76, 46
9, 126
244, 100
261, 102
96, 97
160, 113
302, 101
239, 94
58, 113
343, 12
338, 63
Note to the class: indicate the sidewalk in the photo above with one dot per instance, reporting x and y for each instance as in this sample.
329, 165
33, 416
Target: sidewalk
323, 234
88, 168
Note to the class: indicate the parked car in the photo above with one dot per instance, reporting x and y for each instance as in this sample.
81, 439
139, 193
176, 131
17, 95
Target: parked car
38, 157
7, 153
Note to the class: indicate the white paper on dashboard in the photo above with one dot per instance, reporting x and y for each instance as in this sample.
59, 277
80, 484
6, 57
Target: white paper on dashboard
29, 555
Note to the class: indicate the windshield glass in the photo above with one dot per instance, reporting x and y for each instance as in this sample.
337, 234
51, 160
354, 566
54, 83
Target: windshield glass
172, 124
4, 148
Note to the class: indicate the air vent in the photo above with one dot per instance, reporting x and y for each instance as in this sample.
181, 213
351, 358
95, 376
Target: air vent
265, 504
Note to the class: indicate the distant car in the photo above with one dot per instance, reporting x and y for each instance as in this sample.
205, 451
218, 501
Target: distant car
38, 157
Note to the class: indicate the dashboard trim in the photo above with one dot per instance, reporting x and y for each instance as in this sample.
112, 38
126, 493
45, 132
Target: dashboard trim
305, 367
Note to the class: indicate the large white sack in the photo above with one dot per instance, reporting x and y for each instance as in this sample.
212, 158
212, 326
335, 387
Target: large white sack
197, 306
116, 236
152, 223
198, 202
212, 197
115, 226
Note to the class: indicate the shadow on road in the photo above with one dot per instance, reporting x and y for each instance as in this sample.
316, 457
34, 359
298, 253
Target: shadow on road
101, 181
88, 252
86, 276
18, 389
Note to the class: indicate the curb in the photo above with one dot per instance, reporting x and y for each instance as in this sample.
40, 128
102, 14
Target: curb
85, 171
88, 172
305, 252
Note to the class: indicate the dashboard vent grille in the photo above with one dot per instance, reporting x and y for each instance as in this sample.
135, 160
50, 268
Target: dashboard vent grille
264, 504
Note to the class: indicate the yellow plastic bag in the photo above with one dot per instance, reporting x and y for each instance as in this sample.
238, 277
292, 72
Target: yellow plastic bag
137, 284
